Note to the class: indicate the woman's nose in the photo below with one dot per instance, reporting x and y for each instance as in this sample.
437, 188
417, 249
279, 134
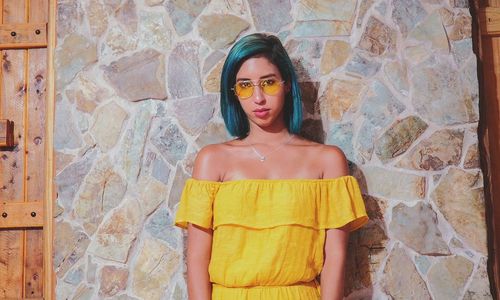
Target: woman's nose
258, 94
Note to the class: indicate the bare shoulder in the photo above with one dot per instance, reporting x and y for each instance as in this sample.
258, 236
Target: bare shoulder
207, 162
334, 161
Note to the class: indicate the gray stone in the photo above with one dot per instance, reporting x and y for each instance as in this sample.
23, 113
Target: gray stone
83, 292
320, 28
211, 60
161, 171
431, 29
304, 54
69, 17
399, 137
167, 138
460, 3
69, 180
153, 2
479, 287
184, 12
392, 184
462, 51
215, 31
397, 75
160, 226
270, 20
379, 109
401, 280
423, 263
378, 38
193, 114
132, 150
174, 196
139, 76
74, 276
152, 194
66, 134
362, 66
363, 8
183, 71
448, 276
154, 31
91, 270
406, 14
75, 53
441, 149
70, 245
117, 233
416, 226
213, 133
341, 135
440, 96
108, 124
336, 16
153, 269
462, 204
126, 15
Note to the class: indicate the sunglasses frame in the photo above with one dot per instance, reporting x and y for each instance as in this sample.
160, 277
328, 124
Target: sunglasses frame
280, 82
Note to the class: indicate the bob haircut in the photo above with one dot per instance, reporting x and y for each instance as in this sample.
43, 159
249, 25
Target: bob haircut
254, 45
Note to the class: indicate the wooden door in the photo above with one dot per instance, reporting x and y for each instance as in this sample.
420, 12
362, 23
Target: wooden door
25, 94
487, 41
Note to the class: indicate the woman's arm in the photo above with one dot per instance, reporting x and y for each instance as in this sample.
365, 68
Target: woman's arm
199, 245
332, 275
199, 240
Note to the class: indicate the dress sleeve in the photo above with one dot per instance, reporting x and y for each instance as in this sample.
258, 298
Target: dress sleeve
196, 203
341, 205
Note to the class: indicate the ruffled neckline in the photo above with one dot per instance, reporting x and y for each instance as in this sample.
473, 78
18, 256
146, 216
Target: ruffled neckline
272, 180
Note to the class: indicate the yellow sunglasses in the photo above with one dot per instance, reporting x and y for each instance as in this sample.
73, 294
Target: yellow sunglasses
244, 88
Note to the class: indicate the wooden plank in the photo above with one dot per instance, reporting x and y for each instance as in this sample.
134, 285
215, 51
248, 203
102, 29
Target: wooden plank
50, 191
23, 36
33, 268
13, 100
489, 20
11, 264
21, 214
35, 157
6, 133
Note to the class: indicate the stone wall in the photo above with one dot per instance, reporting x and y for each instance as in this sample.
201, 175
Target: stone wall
392, 82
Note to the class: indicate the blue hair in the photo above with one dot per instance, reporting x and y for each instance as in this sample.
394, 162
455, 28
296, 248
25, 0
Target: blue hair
269, 46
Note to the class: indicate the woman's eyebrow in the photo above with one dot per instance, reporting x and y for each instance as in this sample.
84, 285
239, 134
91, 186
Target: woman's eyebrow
261, 77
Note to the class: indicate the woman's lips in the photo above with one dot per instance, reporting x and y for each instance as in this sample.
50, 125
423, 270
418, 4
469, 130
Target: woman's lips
261, 113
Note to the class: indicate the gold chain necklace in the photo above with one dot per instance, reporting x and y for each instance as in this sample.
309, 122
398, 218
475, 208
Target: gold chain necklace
262, 158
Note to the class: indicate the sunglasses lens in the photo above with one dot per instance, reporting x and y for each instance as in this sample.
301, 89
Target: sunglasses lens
243, 89
270, 86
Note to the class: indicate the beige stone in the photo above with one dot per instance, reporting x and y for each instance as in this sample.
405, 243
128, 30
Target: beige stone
215, 31
335, 54
116, 235
153, 269
153, 193
448, 277
62, 160
416, 54
118, 42
461, 28
70, 245
398, 76
399, 137
102, 190
431, 29
97, 16
401, 279
113, 280
441, 149
463, 206
479, 288
446, 16
471, 160
212, 81
108, 124
393, 184
214, 132
339, 96
378, 38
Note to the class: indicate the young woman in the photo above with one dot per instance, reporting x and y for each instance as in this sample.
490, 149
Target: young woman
269, 211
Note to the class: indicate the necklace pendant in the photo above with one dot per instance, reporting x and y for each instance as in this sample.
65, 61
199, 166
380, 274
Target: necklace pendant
262, 159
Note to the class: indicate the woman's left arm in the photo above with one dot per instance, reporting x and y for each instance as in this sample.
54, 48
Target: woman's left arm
332, 275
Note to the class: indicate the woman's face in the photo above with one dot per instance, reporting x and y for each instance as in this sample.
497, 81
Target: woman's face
262, 109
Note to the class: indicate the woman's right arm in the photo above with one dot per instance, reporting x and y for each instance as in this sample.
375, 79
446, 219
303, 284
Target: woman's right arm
199, 240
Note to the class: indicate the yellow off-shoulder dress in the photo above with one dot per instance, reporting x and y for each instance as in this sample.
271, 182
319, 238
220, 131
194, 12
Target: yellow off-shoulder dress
269, 234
